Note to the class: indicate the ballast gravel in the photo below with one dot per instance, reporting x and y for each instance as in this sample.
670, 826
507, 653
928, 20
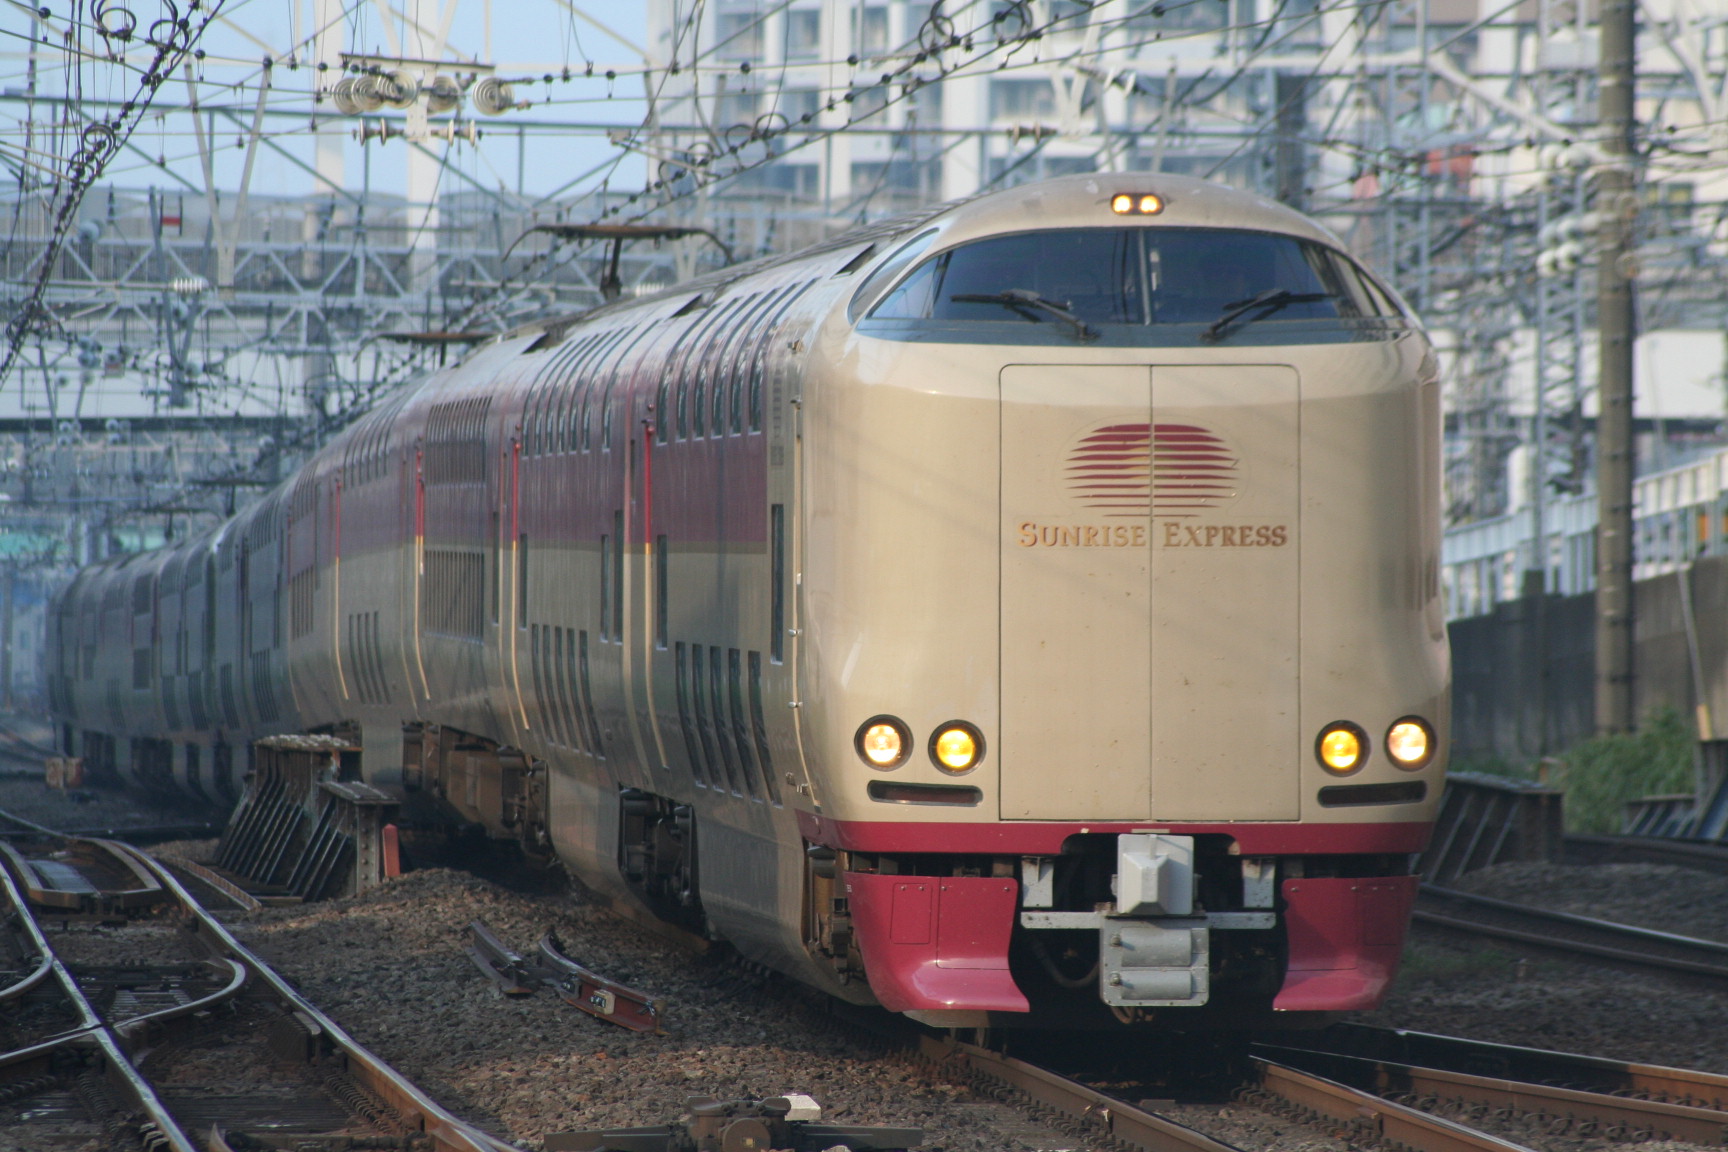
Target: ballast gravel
1503, 992
391, 967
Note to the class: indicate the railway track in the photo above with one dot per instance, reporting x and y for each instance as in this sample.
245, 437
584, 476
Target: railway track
129, 1013
1558, 1094
1646, 850
1571, 934
1386, 1088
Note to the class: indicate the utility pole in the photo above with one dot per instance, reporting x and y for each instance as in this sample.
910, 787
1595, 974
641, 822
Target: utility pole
1616, 206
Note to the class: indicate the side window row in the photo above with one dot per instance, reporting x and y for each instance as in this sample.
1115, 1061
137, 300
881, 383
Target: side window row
711, 384
570, 390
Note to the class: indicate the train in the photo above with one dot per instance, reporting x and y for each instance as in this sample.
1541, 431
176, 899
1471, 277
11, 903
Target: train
1025, 611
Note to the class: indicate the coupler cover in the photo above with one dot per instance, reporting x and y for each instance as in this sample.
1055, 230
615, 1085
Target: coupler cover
1154, 963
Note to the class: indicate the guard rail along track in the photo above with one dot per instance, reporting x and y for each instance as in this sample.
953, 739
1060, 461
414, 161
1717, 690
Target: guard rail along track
80, 1026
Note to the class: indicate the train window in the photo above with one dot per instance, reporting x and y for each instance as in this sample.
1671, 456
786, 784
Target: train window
660, 582
618, 575
1092, 272
1197, 276
534, 667
717, 390
759, 729
563, 646
738, 349
698, 393
699, 697
675, 374
681, 675
596, 746
877, 281
777, 582
522, 580
1150, 285
605, 582
1376, 301
717, 713
741, 740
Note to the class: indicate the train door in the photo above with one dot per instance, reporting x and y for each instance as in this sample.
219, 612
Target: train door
645, 562
1076, 649
631, 607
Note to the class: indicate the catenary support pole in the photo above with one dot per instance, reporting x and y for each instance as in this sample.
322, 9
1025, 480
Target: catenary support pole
1616, 203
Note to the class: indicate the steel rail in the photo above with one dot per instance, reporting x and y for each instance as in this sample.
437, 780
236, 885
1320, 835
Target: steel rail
1621, 934
1086, 1107
1699, 854
38, 881
1654, 1119
116, 1064
448, 1133
1599, 1075
1394, 1124
137, 1028
44, 965
242, 899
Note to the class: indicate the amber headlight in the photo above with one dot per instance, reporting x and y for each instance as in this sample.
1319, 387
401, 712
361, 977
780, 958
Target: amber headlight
956, 747
1342, 747
1410, 743
883, 742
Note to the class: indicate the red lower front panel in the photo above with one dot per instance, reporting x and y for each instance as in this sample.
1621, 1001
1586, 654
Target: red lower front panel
1345, 936
936, 942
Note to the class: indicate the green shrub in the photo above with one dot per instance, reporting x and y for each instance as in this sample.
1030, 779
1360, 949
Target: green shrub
1488, 764
1604, 772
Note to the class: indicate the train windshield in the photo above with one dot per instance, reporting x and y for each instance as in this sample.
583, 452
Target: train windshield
1137, 286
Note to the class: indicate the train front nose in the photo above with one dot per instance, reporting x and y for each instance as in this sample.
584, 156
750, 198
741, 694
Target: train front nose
1149, 524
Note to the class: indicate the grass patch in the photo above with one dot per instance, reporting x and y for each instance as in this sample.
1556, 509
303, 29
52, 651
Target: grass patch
1488, 764
1604, 772
1425, 962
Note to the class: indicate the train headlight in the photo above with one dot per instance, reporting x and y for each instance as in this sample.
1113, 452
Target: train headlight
1140, 203
1410, 743
883, 742
956, 747
1342, 747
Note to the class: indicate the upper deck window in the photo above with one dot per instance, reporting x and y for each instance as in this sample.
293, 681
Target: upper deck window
1136, 286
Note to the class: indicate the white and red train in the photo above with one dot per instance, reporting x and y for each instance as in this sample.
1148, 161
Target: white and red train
1027, 611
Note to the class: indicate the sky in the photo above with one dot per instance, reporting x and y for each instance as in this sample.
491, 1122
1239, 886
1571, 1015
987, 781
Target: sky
559, 137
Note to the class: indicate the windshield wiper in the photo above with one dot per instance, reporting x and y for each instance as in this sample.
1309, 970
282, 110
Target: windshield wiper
1262, 305
1028, 304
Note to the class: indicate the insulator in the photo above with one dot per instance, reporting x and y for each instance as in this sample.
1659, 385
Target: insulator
492, 97
443, 94
367, 94
343, 95
399, 89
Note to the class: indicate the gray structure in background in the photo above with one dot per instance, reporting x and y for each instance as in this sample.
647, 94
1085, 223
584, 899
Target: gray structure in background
1517, 698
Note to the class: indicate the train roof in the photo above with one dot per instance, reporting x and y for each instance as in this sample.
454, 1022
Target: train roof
1064, 202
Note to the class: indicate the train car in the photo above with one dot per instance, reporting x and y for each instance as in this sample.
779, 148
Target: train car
1025, 611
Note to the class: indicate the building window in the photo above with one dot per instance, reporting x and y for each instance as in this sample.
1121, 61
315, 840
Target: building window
803, 33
